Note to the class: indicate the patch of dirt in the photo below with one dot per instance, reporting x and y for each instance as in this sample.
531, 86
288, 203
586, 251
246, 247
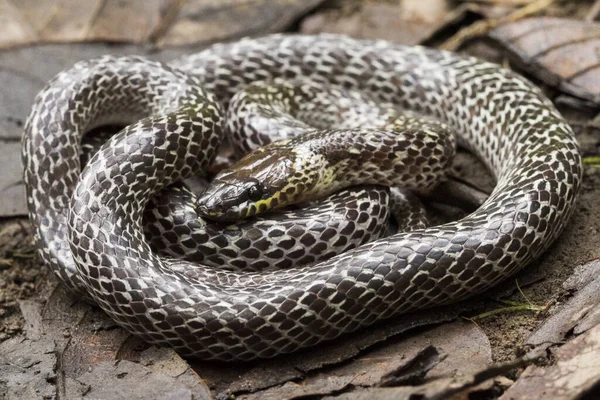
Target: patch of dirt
20, 273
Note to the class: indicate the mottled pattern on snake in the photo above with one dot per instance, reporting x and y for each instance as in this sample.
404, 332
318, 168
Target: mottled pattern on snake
319, 163
371, 144
269, 111
341, 222
307, 235
212, 314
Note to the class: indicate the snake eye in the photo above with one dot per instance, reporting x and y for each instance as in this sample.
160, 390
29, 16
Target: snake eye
255, 192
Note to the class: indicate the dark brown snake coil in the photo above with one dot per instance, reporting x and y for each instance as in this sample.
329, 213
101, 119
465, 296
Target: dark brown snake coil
88, 225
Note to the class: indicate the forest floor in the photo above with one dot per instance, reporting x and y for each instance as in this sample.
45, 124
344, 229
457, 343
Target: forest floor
509, 342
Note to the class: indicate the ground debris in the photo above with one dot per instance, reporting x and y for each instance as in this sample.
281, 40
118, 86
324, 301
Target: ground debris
72, 350
259, 375
406, 22
63, 348
576, 372
577, 314
158, 22
560, 52
431, 357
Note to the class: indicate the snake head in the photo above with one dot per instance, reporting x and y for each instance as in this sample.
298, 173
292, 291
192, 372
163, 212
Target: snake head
252, 186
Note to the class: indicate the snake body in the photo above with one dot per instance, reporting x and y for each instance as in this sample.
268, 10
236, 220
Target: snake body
215, 314
340, 222
293, 237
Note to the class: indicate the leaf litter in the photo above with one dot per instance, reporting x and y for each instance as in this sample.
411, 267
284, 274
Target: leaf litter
53, 345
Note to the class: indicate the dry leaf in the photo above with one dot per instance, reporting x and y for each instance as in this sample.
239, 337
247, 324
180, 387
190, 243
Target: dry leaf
505, 2
406, 22
574, 375
215, 20
70, 350
168, 22
563, 53
578, 313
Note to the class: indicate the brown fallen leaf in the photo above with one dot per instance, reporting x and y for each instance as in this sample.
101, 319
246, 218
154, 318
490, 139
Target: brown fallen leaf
73, 20
204, 22
428, 361
129, 380
563, 53
574, 375
163, 22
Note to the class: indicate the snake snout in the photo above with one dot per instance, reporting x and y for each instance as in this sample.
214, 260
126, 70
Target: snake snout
221, 202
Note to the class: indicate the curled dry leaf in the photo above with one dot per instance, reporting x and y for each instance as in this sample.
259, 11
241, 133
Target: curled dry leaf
563, 53
575, 373
577, 314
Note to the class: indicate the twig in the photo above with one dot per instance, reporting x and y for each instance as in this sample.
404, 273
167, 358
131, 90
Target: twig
509, 309
592, 14
483, 27
166, 21
26, 255
523, 294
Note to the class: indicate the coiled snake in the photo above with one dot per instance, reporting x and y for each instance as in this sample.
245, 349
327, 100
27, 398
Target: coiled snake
88, 225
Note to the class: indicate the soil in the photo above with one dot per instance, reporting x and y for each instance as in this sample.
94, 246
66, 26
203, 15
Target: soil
20, 273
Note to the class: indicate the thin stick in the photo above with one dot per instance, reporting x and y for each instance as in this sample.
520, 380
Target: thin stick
483, 27
165, 23
509, 309
523, 294
592, 14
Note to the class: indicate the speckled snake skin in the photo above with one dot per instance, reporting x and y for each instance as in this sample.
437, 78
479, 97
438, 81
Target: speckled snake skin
216, 314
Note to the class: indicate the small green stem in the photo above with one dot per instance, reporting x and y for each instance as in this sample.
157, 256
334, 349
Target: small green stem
512, 306
522, 294
592, 161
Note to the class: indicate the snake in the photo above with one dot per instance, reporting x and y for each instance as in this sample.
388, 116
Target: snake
89, 229
335, 224
402, 150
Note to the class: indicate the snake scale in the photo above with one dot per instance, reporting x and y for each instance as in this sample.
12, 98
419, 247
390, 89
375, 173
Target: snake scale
88, 225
